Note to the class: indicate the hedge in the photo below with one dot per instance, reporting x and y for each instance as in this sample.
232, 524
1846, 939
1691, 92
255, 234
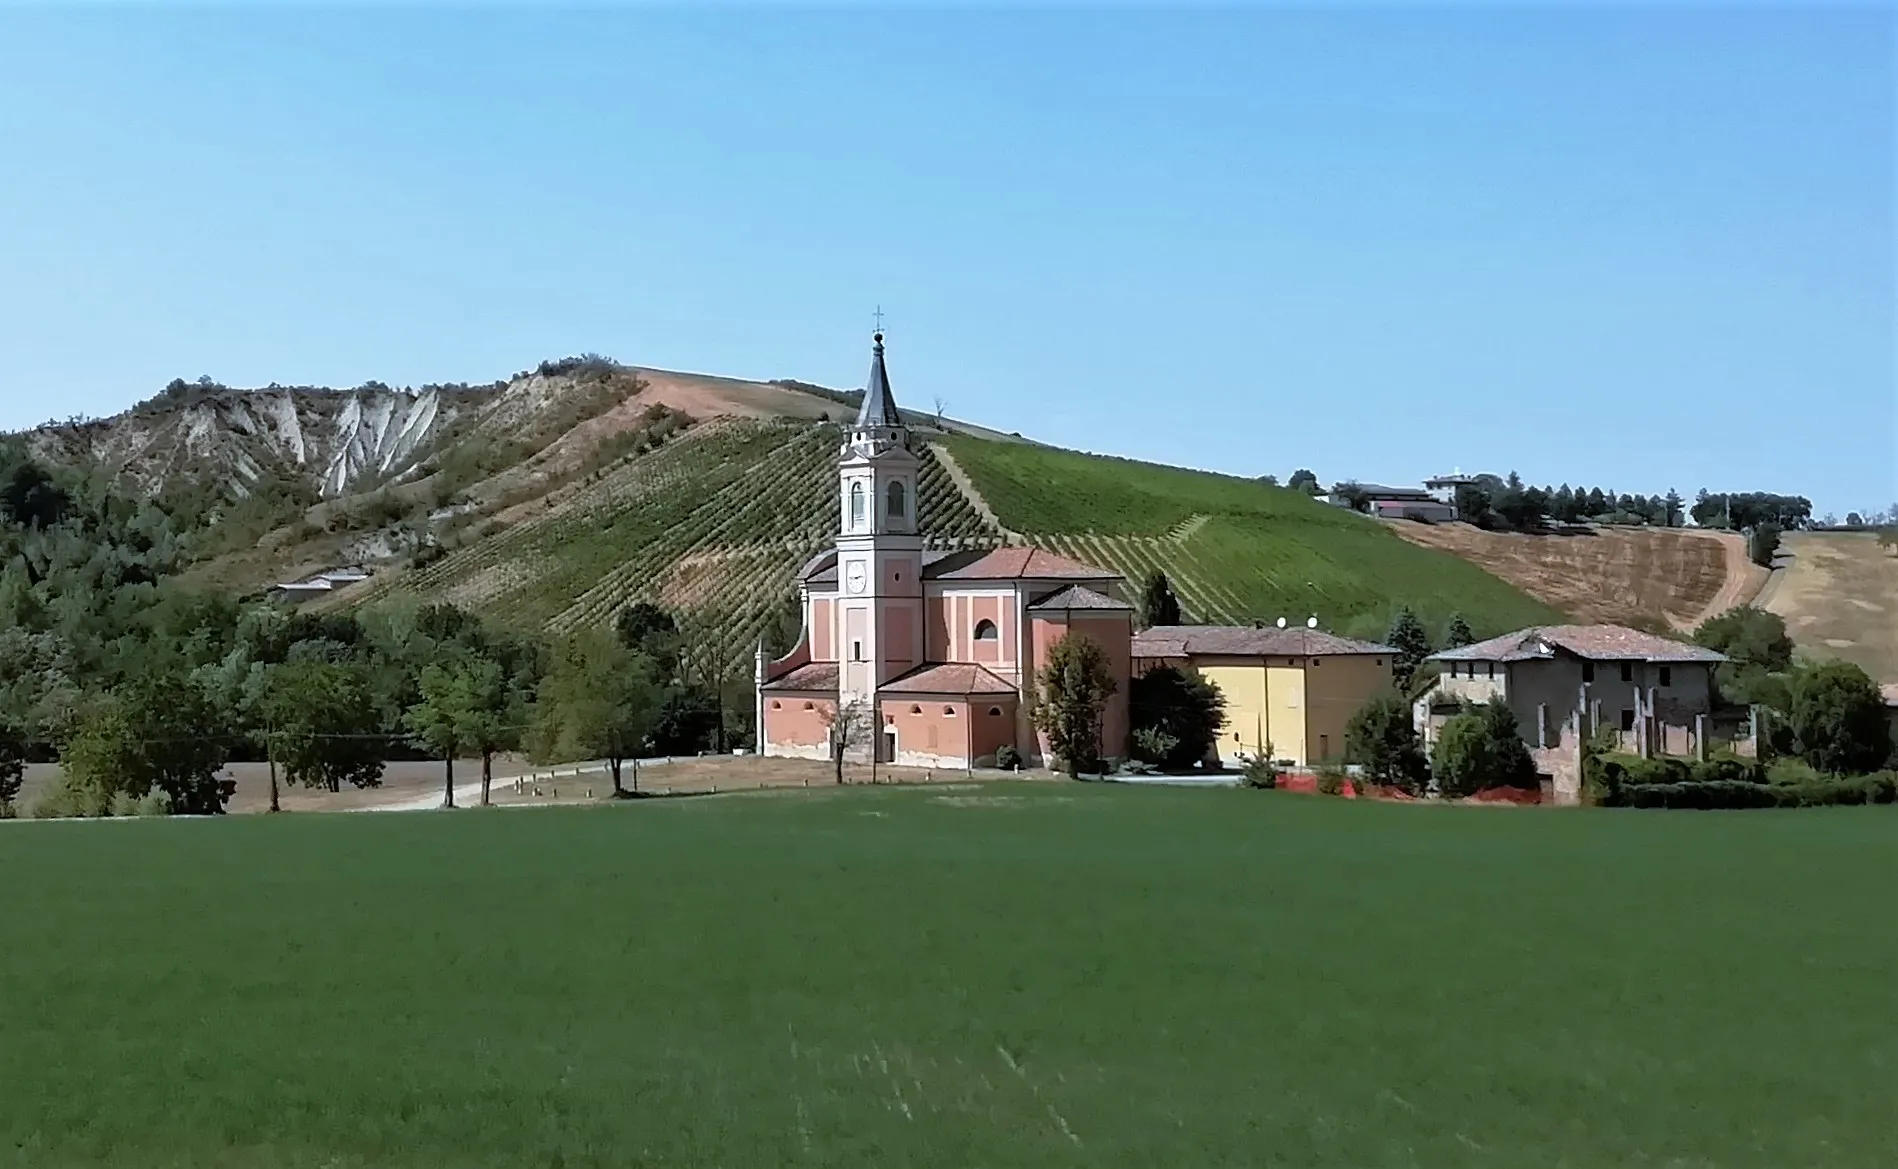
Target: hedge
1621, 781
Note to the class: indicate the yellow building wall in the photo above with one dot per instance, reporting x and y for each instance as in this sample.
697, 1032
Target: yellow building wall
1336, 689
1265, 706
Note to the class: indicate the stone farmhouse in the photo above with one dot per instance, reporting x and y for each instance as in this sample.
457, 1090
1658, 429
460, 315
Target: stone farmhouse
1565, 681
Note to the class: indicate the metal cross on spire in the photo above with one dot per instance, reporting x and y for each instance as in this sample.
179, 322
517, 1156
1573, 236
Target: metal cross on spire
879, 318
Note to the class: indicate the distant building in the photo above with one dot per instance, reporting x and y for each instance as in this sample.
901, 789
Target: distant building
321, 585
1292, 690
1443, 488
1890, 694
1565, 681
1399, 503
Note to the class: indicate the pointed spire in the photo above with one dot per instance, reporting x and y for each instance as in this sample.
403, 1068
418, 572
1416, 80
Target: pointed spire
879, 406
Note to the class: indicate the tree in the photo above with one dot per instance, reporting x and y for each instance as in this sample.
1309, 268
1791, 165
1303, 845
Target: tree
12, 765
1383, 740
1762, 544
1352, 494
847, 728
1412, 644
1071, 693
1751, 638
467, 705
1303, 480
1158, 605
601, 700
1854, 520
320, 719
645, 628
1671, 508
1481, 748
157, 733
1458, 634
1269, 480
1838, 719
1180, 708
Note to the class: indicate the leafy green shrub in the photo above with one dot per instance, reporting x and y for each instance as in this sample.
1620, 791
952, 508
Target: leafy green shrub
1482, 748
1008, 758
1331, 779
1260, 771
73, 795
1153, 745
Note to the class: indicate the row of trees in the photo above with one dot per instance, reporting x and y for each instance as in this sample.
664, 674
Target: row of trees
327, 700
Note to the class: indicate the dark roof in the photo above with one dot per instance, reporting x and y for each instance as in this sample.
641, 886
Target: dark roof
947, 678
1380, 491
879, 405
1613, 643
1079, 597
1178, 641
1016, 563
812, 676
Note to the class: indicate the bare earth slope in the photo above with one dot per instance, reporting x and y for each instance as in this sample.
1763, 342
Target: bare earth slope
1838, 592
1623, 575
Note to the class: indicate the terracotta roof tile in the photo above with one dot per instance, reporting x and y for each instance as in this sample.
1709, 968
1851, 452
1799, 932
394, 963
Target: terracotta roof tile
947, 678
1173, 641
1593, 642
1079, 597
811, 676
1014, 563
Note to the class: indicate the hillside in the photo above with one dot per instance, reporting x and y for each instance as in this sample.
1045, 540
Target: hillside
1628, 576
550, 499
1236, 550
1838, 592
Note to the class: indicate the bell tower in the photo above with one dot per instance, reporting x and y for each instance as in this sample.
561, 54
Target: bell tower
879, 610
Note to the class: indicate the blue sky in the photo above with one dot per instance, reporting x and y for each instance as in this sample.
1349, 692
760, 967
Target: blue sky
1639, 249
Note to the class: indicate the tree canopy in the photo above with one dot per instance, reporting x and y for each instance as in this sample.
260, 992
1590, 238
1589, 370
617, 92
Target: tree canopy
1412, 643
1181, 713
1838, 719
1158, 604
1481, 748
1383, 740
1071, 693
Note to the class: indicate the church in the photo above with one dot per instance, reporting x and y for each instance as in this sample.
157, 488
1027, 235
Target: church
931, 653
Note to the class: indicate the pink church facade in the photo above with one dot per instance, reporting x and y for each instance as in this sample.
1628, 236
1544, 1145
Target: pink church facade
931, 653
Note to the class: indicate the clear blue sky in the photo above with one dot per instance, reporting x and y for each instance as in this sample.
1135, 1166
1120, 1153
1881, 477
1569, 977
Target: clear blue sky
1635, 249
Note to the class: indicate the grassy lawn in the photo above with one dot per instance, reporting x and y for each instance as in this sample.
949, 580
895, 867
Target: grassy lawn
1019, 975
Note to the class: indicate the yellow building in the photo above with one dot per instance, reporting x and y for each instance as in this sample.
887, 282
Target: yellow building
1291, 689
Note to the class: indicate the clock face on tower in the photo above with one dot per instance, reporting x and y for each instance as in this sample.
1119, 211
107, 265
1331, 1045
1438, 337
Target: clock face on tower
853, 576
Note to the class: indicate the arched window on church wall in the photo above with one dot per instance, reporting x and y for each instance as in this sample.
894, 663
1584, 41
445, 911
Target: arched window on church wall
856, 505
985, 630
898, 500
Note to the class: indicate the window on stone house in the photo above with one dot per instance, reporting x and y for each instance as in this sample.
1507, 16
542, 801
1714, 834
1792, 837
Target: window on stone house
1491, 667
985, 630
1627, 671
1588, 671
1627, 720
1667, 677
898, 500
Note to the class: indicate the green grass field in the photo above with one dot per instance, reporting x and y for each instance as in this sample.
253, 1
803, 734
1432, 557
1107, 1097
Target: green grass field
1030, 975
1236, 550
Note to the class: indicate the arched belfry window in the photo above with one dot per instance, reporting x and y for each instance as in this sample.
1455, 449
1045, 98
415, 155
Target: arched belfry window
856, 505
899, 500
985, 630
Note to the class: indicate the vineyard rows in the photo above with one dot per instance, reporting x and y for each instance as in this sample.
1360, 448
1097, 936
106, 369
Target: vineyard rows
1236, 550
713, 526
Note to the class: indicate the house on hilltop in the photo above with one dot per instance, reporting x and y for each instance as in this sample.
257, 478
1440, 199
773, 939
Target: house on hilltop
936, 649
1396, 503
322, 584
1563, 682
